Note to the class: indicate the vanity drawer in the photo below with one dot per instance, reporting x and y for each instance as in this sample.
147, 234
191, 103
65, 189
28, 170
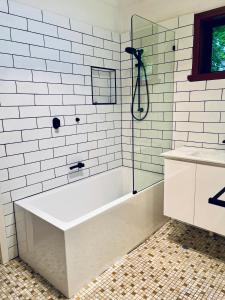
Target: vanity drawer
209, 181
179, 190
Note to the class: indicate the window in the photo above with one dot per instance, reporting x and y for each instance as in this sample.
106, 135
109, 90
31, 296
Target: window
218, 49
209, 46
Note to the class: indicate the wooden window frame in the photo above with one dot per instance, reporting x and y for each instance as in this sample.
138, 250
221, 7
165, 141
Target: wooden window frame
202, 47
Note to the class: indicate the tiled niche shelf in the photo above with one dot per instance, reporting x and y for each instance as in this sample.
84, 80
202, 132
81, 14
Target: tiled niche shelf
103, 84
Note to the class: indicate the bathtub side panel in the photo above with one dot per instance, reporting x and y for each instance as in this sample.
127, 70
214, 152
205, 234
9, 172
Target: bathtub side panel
96, 244
42, 246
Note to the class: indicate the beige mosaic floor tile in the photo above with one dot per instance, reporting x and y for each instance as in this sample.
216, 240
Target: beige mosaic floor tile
178, 262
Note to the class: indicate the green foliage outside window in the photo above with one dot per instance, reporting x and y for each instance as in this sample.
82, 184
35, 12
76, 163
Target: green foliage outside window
218, 49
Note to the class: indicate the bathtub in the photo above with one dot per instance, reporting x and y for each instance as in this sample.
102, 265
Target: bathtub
73, 233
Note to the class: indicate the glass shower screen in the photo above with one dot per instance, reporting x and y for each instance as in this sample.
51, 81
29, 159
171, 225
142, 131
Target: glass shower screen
151, 135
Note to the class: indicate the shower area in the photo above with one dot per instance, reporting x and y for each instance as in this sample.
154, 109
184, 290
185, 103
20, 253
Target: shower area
147, 75
107, 215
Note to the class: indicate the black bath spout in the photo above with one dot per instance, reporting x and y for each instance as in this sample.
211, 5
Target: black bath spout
78, 166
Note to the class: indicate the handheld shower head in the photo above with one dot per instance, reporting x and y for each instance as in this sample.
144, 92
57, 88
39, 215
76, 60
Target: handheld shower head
136, 52
131, 50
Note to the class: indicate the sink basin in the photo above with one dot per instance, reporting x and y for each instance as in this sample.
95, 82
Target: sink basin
211, 156
203, 154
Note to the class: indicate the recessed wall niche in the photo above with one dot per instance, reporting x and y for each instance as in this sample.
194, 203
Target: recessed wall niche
103, 83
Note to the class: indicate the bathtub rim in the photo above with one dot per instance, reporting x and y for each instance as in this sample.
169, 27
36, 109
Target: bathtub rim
64, 226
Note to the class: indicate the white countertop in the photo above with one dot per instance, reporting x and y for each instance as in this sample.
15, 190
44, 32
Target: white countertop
200, 155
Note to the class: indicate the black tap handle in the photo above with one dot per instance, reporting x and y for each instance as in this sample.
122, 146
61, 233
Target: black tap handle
81, 165
78, 166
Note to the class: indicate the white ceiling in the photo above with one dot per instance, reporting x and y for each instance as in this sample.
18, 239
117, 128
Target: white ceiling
113, 2
159, 10
115, 14
165, 8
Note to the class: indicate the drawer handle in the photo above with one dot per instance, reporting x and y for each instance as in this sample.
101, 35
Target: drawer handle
215, 201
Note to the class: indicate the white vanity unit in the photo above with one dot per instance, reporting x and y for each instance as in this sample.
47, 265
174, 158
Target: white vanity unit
194, 183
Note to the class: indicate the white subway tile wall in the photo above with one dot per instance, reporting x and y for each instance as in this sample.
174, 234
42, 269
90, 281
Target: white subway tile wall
153, 135
199, 106
198, 110
45, 71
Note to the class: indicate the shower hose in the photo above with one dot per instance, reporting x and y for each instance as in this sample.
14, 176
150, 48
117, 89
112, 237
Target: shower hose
137, 85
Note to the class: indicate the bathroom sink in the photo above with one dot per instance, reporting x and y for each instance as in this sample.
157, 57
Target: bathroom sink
204, 154
210, 156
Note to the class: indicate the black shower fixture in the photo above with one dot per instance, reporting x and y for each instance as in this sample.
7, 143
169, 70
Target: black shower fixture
56, 123
130, 50
137, 53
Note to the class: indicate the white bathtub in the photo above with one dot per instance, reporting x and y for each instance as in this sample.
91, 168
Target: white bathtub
71, 234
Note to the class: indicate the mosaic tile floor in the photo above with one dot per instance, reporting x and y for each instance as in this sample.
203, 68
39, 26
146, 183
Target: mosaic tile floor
177, 262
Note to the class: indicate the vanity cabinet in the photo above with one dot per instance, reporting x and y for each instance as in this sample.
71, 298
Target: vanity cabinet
188, 187
179, 190
209, 181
